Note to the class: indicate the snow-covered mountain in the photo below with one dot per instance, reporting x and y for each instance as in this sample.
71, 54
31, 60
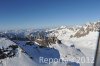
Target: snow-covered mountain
84, 30
76, 43
11, 55
28, 55
83, 37
77, 31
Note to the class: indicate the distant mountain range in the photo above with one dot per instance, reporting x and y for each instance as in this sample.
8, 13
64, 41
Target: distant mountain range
78, 31
24, 47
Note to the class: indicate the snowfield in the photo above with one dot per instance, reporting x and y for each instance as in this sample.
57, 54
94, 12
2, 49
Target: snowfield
71, 48
18, 60
29, 55
87, 44
74, 49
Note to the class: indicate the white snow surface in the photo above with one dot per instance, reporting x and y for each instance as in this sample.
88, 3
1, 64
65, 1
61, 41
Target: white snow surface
87, 44
18, 60
82, 47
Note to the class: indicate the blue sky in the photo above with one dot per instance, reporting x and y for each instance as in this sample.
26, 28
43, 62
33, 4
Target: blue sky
22, 14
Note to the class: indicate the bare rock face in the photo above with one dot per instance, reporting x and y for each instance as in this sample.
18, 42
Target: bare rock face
81, 32
59, 41
84, 30
48, 41
8, 52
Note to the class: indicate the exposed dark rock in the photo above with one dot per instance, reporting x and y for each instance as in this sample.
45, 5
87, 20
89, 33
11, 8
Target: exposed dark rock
10, 51
72, 46
59, 41
29, 43
86, 29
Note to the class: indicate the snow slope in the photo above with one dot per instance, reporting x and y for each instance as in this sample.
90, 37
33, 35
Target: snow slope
29, 55
58, 51
87, 44
18, 60
79, 42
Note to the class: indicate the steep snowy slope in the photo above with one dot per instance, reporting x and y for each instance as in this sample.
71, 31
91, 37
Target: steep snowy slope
87, 44
29, 56
54, 51
84, 38
16, 60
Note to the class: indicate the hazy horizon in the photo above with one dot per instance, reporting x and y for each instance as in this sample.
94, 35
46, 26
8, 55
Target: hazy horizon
23, 14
